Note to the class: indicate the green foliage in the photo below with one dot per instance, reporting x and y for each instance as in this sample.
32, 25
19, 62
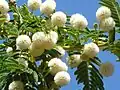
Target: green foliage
89, 75
37, 76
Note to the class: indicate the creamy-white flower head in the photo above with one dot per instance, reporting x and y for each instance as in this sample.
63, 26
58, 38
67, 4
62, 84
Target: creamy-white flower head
48, 7
4, 7
78, 21
74, 60
38, 36
107, 24
106, 69
50, 40
62, 78
56, 65
36, 51
9, 49
90, 49
58, 19
23, 42
34, 4
103, 12
16, 85
38, 39
60, 50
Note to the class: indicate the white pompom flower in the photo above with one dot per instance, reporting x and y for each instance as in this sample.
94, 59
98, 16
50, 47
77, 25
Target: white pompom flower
106, 69
91, 50
56, 65
36, 51
38, 39
107, 24
62, 78
4, 7
78, 21
60, 50
74, 60
16, 85
48, 7
9, 49
103, 12
34, 4
23, 42
58, 19
50, 40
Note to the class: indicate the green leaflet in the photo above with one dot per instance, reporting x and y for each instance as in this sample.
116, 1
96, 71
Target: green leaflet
89, 75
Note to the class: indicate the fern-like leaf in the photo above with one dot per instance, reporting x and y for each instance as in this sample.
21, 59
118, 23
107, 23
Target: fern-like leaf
89, 75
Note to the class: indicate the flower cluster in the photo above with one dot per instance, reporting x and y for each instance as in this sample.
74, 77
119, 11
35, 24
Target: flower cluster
4, 8
58, 18
40, 42
56, 65
59, 69
62, 78
103, 14
23, 42
48, 7
78, 21
34, 4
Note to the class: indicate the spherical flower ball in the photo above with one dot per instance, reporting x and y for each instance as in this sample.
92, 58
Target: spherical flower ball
16, 85
4, 7
103, 12
106, 69
23, 42
50, 40
107, 24
62, 78
60, 50
74, 60
34, 4
9, 49
56, 65
38, 39
48, 7
78, 21
90, 49
36, 51
58, 19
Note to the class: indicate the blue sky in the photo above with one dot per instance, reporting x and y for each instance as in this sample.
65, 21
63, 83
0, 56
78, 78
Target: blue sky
88, 9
